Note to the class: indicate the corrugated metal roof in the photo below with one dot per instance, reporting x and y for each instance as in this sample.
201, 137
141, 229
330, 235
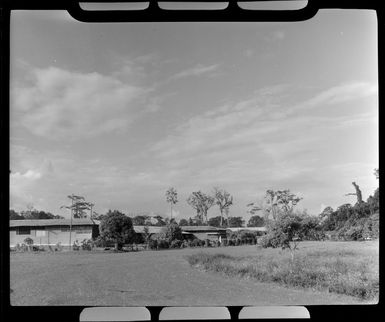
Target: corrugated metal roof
247, 228
201, 228
151, 229
51, 222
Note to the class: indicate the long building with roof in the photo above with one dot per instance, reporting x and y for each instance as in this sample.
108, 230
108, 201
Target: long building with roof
50, 232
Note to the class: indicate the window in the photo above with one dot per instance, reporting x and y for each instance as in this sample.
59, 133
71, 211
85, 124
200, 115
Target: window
23, 231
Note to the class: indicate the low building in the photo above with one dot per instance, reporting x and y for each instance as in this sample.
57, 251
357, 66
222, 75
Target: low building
204, 232
259, 229
50, 232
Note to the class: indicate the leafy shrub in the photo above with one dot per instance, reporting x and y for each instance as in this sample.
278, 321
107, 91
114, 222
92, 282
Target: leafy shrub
176, 243
163, 244
102, 242
153, 244
172, 232
75, 245
28, 241
87, 244
195, 243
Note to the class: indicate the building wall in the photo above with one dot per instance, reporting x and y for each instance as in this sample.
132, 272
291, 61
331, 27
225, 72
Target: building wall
51, 235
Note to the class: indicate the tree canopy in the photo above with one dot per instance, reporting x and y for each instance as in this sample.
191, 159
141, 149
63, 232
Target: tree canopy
117, 227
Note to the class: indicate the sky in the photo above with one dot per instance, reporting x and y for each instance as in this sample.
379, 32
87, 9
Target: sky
118, 113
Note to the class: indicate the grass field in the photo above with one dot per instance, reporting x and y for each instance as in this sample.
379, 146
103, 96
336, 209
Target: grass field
167, 278
344, 268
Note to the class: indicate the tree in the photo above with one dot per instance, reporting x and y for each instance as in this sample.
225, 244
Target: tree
215, 221
172, 232
171, 198
13, 215
79, 206
223, 199
256, 221
183, 222
285, 233
201, 203
117, 227
358, 193
33, 213
139, 220
236, 222
146, 235
376, 173
160, 220
275, 203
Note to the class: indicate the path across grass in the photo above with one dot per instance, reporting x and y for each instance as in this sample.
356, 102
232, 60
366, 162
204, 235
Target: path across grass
150, 278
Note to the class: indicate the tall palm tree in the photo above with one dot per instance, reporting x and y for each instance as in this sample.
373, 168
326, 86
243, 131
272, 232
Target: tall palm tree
171, 198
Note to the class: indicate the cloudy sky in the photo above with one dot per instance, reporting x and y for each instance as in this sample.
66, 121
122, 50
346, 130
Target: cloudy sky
118, 113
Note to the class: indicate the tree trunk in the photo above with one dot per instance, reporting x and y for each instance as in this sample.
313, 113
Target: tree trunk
358, 192
221, 218
116, 246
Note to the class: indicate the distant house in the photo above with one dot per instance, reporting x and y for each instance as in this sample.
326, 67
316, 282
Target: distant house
49, 232
261, 229
151, 229
189, 232
204, 232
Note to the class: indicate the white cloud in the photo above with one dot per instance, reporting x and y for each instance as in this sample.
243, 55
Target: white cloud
29, 175
197, 70
62, 104
339, 94
260, 137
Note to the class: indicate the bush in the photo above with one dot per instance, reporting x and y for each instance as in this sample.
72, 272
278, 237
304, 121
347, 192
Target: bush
195, 243
176, 244
163, 244
87, 244
28, 241
153, 244
102, 242
75, 245
172, 232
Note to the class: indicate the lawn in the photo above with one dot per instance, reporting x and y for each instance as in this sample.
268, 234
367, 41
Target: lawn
167, 278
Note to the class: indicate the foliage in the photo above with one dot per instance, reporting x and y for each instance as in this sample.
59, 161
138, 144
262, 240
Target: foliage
146, 235
285, 233
171, 198
87, 244
275, 203
162, 243
256, 221
32, 214
236, 222
160, 220
79, 206
216, 221
139, 220
172, 232
224, 200
183, 222
153, 244
28, 241
201, 203
117, 227
13, 215
176, 243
